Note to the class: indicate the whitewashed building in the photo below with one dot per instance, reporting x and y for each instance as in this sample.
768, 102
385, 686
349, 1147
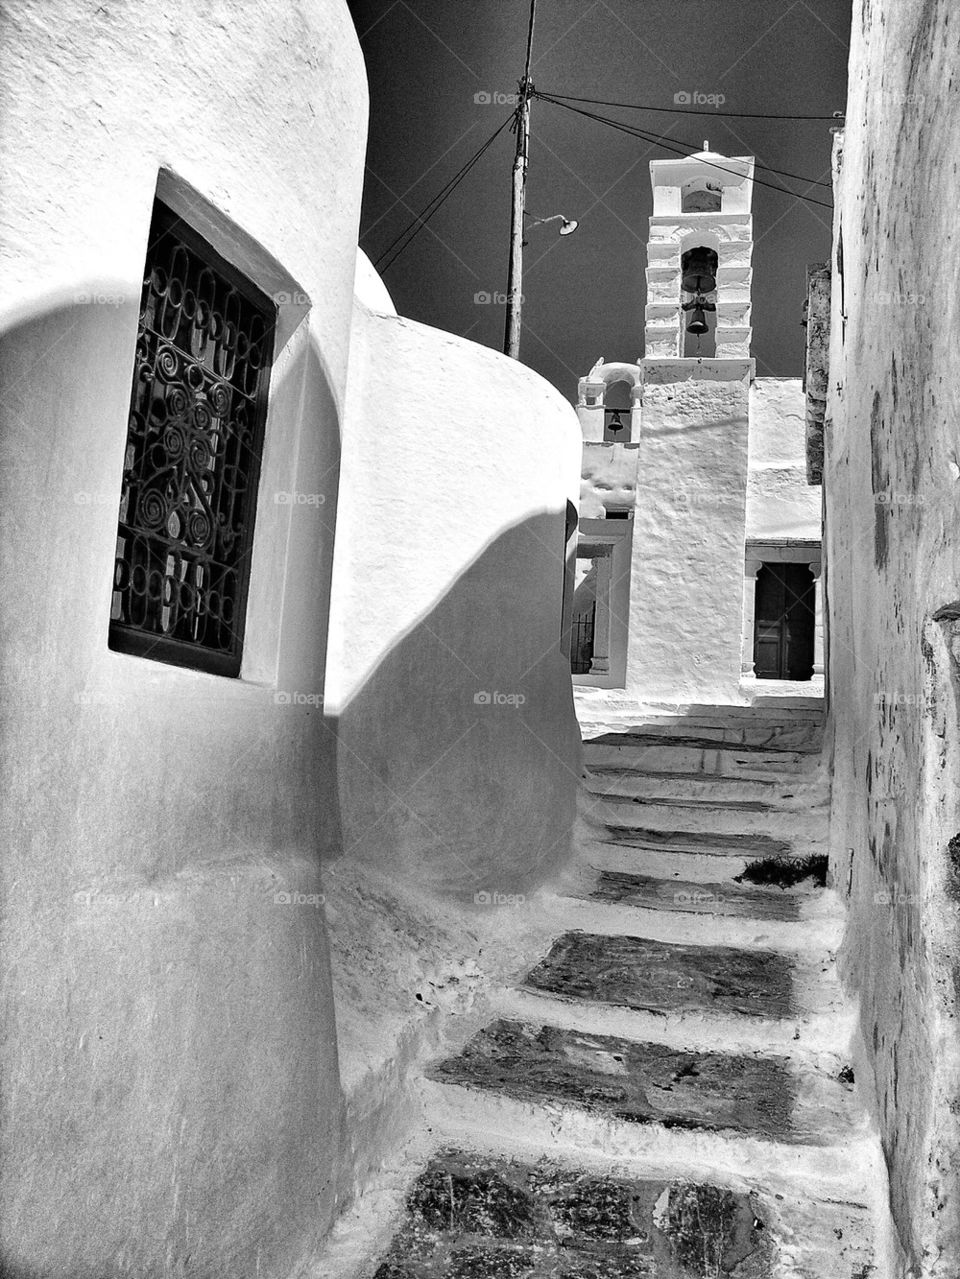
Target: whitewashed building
699, 550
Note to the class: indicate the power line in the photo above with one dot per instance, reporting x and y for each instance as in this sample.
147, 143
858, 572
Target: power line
660, 140
410, 232
645, 136
734, 115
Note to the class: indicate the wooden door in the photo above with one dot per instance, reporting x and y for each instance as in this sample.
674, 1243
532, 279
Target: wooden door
784, 622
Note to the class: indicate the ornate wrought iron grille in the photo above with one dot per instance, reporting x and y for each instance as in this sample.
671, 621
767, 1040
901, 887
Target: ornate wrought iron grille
192, 461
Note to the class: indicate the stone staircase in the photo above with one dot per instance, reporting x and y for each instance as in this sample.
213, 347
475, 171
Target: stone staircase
669, 1091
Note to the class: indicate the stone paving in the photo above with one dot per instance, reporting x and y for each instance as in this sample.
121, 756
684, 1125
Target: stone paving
635, 972
668, 1091
471, 1217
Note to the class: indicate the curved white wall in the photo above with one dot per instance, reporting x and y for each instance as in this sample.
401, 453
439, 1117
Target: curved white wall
457, 466
173, 1105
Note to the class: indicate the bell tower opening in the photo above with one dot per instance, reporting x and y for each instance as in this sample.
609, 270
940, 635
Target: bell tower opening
701, 218
701, 196
698, 285
617, 405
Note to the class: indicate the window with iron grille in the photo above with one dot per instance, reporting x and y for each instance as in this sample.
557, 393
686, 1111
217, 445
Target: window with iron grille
192, 461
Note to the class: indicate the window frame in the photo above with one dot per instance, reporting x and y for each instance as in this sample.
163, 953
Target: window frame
122, 638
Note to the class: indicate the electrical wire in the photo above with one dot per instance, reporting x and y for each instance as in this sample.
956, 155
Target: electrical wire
734, 115
646, 136
660, 140
410, 232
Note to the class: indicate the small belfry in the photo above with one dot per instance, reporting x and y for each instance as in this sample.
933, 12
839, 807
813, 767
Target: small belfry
699, 255
709, 580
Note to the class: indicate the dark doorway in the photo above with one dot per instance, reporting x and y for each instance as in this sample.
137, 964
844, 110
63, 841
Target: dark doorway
581, 649
784, 622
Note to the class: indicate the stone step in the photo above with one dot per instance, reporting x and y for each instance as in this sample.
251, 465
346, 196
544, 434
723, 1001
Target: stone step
805, 943
652, 756
818, 1035
476, 1214
628, 1085
655, 975
803, 829
675, 865
822, 1228
752, 847
802, 736
688, 788
697, 897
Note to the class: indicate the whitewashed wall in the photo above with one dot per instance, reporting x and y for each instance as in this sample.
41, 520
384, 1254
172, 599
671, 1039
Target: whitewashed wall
780, 502
457, 468
171, 1093
893, 558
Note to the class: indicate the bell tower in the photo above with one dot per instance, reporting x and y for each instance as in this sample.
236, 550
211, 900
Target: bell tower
664, 484
687, 574
699, 257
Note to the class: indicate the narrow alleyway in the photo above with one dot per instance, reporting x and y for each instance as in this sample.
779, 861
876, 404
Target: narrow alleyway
669, 1092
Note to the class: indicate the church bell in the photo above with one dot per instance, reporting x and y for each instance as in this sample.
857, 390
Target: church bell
699, 271
698, 322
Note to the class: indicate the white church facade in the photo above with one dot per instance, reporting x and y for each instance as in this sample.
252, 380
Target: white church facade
698, 559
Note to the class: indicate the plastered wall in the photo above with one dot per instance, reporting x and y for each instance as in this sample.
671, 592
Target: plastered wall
171, 1100
686, 589
780, 502
892, 486
459, 748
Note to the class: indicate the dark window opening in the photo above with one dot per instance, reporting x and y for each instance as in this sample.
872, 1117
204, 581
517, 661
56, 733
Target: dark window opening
618, 515
192, 461
784, 622
581, 646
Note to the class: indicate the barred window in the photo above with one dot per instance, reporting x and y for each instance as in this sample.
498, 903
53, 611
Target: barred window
192, 460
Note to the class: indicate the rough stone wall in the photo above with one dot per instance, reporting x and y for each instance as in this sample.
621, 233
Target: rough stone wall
816, 366
170, 1086
892, 483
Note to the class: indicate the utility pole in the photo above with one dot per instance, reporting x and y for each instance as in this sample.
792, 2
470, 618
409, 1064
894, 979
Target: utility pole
511, 337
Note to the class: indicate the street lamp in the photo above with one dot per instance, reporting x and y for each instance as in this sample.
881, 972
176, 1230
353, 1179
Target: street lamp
511, 336
567, 225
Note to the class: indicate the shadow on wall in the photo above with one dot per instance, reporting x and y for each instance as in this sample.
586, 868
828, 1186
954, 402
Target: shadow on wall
174, 1097
466, 727
171, 1088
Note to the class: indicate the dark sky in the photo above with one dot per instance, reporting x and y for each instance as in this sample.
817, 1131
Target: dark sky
584, 294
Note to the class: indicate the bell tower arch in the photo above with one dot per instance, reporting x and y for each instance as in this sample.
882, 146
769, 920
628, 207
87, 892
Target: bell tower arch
701, 220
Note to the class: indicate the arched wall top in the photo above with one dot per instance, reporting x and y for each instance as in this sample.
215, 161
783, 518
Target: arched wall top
696, 238
609, 373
